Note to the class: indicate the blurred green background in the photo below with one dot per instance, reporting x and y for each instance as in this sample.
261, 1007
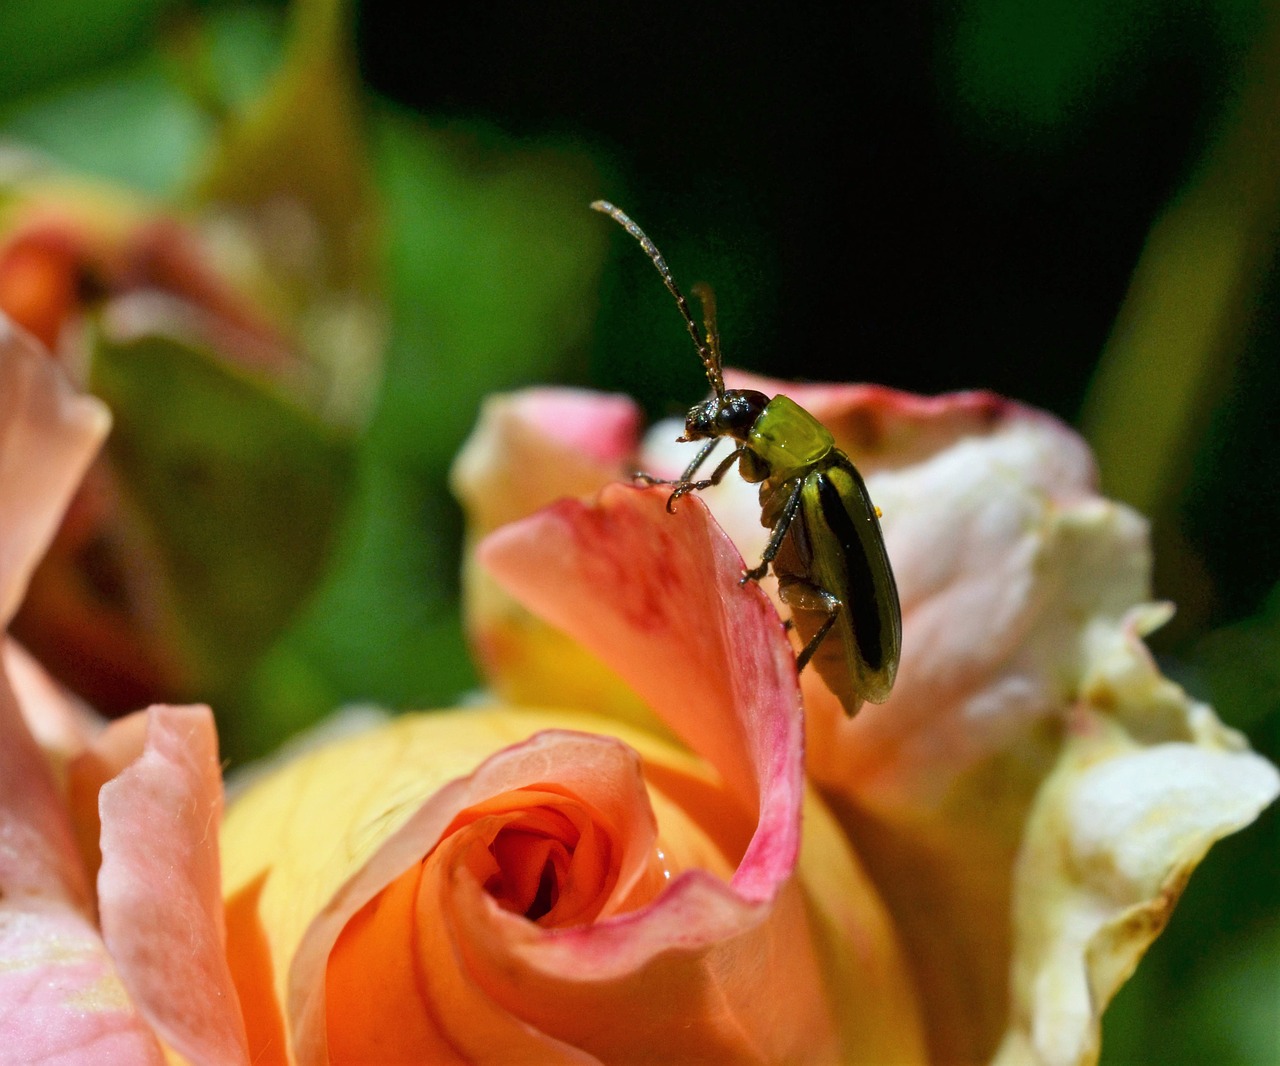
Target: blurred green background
1072, 203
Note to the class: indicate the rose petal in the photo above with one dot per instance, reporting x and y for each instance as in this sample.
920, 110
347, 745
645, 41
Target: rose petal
1019, 589
1113, 837
319, 840
1009, 556
600, 775
325, 835
38, 860
48, 435
62, 724
886, 429
159, 892
529, 449
61, 1000
679, 629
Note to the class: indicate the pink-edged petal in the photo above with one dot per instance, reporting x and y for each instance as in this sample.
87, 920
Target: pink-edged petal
533, 447
599, 772
60, 998
732, 982
48, 435
529, 449
355, 864
656, 597
315, 841
883, 428
159, 887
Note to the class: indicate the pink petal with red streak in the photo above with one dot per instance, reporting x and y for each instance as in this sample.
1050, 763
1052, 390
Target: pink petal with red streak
656, 596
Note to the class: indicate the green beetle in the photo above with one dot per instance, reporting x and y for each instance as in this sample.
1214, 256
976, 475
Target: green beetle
825, 543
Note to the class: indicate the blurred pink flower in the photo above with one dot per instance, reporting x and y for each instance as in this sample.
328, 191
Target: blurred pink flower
111, 925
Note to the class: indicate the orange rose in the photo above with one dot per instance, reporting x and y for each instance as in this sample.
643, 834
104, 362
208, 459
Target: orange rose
1033, 796
633, 867
505, 884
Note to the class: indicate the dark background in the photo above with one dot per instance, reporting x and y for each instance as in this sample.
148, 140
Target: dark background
872, 202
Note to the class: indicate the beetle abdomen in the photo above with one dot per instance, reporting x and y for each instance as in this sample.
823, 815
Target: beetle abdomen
864, 604
858, 659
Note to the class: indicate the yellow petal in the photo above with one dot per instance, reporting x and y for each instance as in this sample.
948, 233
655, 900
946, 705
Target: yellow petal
322, 852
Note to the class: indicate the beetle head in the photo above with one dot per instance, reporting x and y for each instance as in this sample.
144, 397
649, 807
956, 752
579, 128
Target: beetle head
731, 414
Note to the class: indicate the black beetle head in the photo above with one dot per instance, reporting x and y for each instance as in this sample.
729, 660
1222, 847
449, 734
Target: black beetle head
730, 415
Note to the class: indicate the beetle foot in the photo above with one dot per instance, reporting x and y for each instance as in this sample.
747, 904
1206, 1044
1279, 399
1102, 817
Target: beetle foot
681, 487
649, 479
754, 574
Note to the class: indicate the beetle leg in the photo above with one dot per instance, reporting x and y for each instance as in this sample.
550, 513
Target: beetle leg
685, 483
802, 660
701, 458
804, 595
689, 470
775, 538
685, 486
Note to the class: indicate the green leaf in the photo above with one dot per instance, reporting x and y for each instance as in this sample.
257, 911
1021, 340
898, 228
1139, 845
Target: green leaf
57, 38
146, 122
302, 140
1241, 663
129, 126
240, 489
494, 261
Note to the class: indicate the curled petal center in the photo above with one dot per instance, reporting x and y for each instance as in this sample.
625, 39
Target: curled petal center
551, 863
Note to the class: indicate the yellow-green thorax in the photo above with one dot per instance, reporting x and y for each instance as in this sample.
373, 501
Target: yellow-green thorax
788, 439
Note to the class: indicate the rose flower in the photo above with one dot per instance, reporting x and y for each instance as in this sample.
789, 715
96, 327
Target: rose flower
617, 857
1033, 796
483, 884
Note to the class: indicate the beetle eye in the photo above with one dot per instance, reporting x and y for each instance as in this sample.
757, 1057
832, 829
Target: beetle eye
699, 422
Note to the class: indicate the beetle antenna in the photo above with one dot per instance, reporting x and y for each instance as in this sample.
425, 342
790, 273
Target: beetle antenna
707, 297
710, 356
